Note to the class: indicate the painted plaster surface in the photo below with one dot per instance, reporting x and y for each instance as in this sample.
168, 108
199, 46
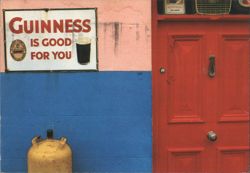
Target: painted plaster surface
124, 34
106, 117
1, 40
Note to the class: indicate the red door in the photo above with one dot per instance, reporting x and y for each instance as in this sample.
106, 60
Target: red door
201, 87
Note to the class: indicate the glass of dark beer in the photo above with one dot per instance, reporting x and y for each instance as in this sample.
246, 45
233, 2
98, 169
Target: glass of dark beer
83, 47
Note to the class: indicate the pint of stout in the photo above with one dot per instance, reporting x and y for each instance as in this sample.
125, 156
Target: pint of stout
83, 46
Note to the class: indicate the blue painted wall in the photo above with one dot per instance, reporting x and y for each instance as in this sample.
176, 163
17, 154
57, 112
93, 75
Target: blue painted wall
106, 117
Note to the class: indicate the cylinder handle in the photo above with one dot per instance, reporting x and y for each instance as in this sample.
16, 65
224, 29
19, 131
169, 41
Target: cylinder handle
35, 140
63, 141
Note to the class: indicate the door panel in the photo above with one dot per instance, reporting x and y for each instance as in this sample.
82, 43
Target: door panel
233, 69
184, 77
185, 160
233, 160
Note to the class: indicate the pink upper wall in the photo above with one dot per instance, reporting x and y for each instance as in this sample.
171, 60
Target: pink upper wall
124, 30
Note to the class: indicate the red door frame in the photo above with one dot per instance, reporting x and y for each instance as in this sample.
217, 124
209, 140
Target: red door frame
156, 65
154, 83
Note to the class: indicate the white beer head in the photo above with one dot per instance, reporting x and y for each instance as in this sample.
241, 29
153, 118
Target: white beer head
83, 40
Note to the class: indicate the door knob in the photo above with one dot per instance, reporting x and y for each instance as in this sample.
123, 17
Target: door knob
162, 70
212, 136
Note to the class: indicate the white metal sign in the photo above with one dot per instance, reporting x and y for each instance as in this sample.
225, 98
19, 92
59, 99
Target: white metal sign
55, 39
174, 6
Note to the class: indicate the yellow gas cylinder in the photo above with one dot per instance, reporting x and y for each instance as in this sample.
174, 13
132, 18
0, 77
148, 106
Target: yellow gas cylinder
49, 155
